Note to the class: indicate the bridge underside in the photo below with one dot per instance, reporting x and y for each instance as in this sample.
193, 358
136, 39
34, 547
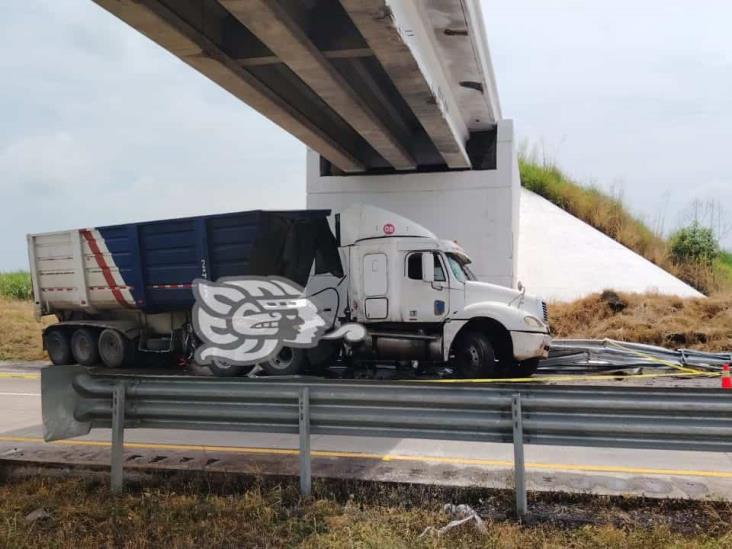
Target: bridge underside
372, 86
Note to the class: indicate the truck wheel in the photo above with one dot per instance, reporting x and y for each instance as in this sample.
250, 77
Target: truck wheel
84, 347
115, 349
527, 368
288, 362
58, 347
322, 356
475, 357
222, 368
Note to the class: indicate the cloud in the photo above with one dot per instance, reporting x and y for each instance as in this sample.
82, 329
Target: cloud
55, 163
625, 90
102, 126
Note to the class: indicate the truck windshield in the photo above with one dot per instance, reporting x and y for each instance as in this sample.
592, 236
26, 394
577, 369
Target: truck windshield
459, 268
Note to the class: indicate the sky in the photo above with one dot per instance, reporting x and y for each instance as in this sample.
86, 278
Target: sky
98, 125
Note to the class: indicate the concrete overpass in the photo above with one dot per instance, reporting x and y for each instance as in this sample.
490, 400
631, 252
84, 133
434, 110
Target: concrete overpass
396, 99
371, 85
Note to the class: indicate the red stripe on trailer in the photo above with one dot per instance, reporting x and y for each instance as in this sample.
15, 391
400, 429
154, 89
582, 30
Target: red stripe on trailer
102, 264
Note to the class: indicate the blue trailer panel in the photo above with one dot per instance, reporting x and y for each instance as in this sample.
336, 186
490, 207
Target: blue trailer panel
150, 266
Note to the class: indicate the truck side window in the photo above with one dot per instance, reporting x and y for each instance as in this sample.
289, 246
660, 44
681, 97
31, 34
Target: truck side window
439, 271
414, 266
456, 268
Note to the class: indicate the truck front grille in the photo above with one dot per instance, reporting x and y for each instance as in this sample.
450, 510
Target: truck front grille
546, 313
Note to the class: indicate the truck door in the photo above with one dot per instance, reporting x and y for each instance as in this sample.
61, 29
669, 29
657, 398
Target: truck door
425, 293
375, 286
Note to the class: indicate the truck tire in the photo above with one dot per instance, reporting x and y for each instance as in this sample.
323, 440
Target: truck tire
322, 356
288, 362
221, 368
58, 347
115, 350
527, 368
474, 356
84, 347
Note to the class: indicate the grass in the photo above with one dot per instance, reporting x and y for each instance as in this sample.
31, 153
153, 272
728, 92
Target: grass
725, 264
16, 285
704, 324
239, 513
20, 333
608, 214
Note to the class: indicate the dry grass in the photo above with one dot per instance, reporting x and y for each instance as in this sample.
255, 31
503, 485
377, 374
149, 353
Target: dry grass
704, 324
20, 333
81, 513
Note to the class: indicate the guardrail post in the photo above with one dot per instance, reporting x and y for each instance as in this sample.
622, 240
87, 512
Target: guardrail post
305, 465
519, 476
118, 436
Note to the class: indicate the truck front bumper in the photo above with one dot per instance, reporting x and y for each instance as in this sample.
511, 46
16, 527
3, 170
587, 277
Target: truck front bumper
528, 345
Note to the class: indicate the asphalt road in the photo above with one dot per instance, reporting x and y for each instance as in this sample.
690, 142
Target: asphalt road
608, 471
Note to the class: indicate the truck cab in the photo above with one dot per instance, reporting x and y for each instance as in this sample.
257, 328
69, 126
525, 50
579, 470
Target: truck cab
419, 300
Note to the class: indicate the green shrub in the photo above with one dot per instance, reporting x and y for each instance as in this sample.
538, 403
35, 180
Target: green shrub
694, 244
725, 261
16, 285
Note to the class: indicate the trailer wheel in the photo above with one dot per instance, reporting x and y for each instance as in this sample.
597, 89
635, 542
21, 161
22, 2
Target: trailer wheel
84, 347
288, 362
115, 349
474, 356
58, 347
222, 368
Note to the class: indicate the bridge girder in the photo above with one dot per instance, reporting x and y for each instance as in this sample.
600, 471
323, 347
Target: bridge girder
373, 86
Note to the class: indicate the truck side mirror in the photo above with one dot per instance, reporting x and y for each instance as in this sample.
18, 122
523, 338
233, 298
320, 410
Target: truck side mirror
428, 267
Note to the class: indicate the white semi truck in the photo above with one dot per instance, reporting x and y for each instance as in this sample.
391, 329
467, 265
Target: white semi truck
123, 293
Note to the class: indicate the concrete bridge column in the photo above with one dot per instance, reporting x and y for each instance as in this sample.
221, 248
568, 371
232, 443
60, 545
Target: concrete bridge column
478, 208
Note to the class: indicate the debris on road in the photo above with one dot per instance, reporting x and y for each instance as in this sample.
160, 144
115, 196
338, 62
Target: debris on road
588, 356
461, 514
38, 514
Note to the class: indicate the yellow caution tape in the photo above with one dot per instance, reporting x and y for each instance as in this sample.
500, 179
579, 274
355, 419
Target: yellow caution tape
13, 375
598, 377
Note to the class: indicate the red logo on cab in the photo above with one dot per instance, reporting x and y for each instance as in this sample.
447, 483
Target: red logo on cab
389, 228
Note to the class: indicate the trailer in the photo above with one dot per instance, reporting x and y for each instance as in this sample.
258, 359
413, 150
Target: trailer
125, 288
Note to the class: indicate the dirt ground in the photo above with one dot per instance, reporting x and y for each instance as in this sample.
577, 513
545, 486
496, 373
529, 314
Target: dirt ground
672, 322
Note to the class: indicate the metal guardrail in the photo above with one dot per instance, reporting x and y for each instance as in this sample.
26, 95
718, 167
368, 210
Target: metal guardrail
76, 400
599, 355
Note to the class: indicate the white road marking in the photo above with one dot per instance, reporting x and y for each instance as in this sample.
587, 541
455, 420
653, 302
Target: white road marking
21, 394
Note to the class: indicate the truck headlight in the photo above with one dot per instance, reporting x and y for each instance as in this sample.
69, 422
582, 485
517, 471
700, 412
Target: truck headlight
533, 322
